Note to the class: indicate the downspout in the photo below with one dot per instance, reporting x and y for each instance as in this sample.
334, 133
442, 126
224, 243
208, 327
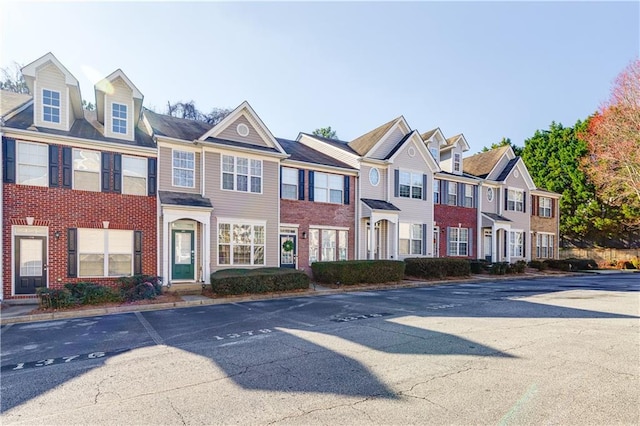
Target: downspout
479, 237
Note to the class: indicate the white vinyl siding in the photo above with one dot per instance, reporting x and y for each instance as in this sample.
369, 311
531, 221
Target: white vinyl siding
32, 164
105, 252
134, 175
86, 170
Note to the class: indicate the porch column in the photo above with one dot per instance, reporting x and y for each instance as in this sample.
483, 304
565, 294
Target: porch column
166, 249
372, 240
206, 252
394, 241
494, 244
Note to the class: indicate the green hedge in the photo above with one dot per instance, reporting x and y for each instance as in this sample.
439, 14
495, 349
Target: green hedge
571, 264
437, 267
538, 264
261, 280
358, 271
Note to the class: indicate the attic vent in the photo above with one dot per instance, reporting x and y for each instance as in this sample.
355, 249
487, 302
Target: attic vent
516, 174
242, 129
411, 152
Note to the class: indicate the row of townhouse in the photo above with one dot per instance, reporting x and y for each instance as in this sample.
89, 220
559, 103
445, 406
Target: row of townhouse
94, 195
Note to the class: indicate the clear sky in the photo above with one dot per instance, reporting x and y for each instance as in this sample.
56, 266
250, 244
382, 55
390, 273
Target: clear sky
486, 69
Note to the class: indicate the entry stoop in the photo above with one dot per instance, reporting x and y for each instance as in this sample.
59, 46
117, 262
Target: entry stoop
185, 288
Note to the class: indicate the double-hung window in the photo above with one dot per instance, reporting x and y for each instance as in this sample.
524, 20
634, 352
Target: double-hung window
458, 241
436, 191
410, 185
343, 239
241, 174
105, 252
328, 188
410, 238
289, 183
544, 207
241, 244
86, 170
456, 162
327, 245
134, 175
452, 195
50, 106
33, 160
184, 167
544, 245
516, 244
119, 118
468, 195
515, 200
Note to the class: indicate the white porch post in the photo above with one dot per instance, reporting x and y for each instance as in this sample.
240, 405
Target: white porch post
494, 244
206, 251
372, 240
394, 241
166, 249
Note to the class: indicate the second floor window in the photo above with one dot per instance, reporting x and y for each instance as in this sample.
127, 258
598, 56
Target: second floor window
411, 185
515, 200
436, 191
33, 161
241, 174
452, 194
50, 106
544, 207
468, 195
86, 170
328, 188
119, 117
184, 166
134, 175
456, 162
289, 183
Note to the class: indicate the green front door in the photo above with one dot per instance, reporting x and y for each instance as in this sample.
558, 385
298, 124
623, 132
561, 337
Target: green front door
182, 265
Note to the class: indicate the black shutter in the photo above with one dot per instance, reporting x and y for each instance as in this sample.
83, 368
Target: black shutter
152, 171
475, 196
300, 184
67, 166
8, 160
506, 242
137, 252
424, 239
524, 202
347, 194
310, 185
553, 207
54, 166
524, 244
443, 194
424, 187
506, 199
460, 194
106, 171
117, 173
72, 252
396, 183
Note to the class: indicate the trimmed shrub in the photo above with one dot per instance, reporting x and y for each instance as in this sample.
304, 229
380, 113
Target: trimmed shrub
261, 280
55, 298
437, 267
86, 293
519, 267
571, 264
538, 264
499, 268
138, 287
358, 271
476, 267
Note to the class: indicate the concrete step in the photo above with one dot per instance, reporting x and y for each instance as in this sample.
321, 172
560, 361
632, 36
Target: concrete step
192, 288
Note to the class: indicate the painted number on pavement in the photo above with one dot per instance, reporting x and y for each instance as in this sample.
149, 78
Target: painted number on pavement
360, 317
243, 334
60, 360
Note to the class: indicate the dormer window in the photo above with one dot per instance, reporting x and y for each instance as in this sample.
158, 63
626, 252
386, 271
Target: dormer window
456, 162
119, 116
50, 106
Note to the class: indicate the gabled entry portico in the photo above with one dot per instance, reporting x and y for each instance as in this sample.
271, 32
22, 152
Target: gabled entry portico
495, 234
186, 237
380, 223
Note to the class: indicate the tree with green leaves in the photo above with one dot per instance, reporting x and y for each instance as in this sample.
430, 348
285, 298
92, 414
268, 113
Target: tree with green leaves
505, 141
326, 132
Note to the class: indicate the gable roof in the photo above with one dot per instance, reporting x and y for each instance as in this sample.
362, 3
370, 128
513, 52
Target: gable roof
337, 143
379, 204
104, 84
300, 152
481, 164
426, 135
184, 199
507, 169
174, 127
83, 128
364, 143
10, 101
398, 145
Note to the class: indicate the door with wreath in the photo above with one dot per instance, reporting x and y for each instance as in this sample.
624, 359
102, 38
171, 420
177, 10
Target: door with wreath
288, 251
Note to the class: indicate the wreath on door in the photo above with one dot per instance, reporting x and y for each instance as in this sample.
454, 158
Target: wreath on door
287, 245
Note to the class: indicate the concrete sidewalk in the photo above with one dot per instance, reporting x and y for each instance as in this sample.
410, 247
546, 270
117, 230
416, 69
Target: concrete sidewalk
11, 314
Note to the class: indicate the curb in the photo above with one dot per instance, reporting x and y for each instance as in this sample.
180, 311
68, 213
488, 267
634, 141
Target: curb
309, 293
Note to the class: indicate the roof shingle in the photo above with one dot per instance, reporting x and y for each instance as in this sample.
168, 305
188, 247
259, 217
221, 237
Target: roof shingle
364, 143
481, 164
301, 152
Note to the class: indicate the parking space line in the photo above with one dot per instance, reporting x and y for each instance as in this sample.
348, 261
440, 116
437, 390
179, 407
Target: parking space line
152, 332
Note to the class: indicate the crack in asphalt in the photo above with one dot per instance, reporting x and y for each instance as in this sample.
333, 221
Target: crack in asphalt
307, 412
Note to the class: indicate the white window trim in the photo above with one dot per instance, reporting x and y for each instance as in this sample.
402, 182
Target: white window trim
411, 224
541, 208
550, 245
514, 191
231, 222
145, 174
411, 186
235, 174
297, 184
328, 188
457, 161
453, 185
467, 197
105, 252
436, 191
458, 241
73, 169
125, 119
20, 162
173, 168
513, 246
59, 107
